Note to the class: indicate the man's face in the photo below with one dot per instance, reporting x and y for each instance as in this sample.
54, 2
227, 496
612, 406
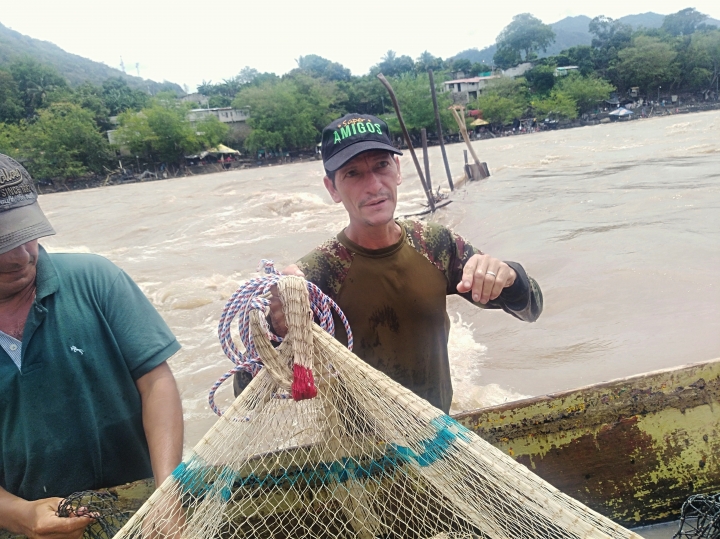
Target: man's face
367, 187
17, 269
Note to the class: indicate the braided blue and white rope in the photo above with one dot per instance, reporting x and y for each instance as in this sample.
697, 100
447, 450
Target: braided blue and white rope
249, 297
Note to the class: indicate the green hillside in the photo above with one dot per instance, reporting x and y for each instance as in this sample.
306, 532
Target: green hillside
569, 32
572, 31
76, 69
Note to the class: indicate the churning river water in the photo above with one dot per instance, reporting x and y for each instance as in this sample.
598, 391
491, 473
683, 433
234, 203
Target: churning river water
619, 223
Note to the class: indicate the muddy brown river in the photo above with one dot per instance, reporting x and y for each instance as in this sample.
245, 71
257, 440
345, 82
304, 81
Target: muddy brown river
619, 223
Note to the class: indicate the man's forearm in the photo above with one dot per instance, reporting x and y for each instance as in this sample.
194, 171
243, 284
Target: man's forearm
162, 420
11, 512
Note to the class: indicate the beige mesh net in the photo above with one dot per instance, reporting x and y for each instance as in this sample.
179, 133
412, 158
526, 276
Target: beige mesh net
365, 458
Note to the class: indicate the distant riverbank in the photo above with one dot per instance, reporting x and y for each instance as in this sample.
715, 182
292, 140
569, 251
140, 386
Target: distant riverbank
129, 177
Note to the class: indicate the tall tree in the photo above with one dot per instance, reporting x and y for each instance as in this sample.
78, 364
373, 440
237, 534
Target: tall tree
541, 78
503, 100
648, 63
579, 55
160, 132
289, 113
317, 66
89, 97
392, 65
609, 33
247, 75
684, 22
586, 92
704, 64
461, 64
35, 81
211, 131
11, 105
498, 109
10, 137
427, 61
558, 105
364, 95
119, 97
523, 37
63, 143
610, 36
413, 95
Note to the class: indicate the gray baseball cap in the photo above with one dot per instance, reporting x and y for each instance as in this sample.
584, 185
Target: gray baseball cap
21, 219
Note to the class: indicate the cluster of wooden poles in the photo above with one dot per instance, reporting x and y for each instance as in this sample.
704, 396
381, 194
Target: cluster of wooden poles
474, 171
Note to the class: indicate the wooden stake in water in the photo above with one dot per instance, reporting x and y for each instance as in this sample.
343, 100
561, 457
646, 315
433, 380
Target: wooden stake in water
438, 126
479, 170
428, 193
426, 158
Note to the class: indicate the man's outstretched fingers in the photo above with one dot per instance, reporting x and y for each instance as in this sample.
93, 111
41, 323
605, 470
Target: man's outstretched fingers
466, 283
499, 283
486, 285
482, 283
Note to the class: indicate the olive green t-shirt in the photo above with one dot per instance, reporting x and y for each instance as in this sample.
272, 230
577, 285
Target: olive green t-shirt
395, 301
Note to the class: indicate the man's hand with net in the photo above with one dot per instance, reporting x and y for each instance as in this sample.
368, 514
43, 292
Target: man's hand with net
39, 519
277, 317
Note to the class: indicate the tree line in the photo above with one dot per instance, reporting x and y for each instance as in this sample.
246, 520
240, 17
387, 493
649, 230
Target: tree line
57, 130
681, 56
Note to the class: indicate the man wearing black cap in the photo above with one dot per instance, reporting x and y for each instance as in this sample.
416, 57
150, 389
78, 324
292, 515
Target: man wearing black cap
87, 399
391, 277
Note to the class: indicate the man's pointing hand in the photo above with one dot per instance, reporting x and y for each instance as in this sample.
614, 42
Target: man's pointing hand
486, 277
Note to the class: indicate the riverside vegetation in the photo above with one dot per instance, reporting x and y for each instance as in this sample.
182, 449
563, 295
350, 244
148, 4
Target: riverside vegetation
57, 129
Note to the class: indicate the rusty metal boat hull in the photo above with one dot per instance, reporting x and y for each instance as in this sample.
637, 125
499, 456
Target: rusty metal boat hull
632, 449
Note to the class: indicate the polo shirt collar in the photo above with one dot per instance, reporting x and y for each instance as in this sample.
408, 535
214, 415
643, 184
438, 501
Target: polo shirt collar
47, 281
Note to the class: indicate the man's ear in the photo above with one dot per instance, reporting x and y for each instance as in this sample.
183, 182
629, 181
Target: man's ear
331, 189
397, 163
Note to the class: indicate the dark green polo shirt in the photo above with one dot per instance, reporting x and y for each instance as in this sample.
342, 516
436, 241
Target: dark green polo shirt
71, 419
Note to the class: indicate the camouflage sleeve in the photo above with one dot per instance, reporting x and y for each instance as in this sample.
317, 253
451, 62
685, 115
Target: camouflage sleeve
327, 266
449, 252
523, 299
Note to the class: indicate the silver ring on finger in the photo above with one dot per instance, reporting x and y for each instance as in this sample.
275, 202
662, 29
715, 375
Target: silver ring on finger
491, 273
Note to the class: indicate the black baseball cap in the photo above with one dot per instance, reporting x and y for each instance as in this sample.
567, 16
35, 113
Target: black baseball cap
21, 219
351, 135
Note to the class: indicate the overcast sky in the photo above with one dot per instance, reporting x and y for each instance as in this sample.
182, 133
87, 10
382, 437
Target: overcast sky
195, 41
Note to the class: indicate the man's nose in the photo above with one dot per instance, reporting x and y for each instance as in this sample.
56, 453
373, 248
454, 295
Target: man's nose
19, 254
374, 180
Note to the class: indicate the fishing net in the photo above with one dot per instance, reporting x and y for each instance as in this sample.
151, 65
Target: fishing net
364, 458
101, 506
700, 517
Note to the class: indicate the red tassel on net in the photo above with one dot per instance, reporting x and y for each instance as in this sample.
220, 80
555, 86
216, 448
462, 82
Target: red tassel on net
303, 386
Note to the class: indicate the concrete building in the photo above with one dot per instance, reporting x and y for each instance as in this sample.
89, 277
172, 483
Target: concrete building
236, 119
226, 115
195, 98
517, 71
464, 90
562, 71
